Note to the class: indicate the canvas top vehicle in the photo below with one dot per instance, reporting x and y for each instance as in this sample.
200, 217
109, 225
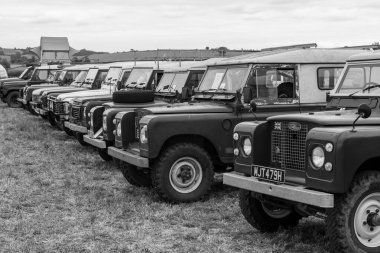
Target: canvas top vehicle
181, 146
9, 91
323, 163
25, 75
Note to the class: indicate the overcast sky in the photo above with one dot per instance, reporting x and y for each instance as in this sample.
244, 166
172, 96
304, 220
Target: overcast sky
120, 25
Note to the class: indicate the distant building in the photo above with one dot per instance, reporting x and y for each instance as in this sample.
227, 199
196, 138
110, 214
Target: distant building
54, 49
167, 55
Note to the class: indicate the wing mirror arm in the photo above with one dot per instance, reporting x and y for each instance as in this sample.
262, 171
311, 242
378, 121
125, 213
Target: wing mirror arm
364, 112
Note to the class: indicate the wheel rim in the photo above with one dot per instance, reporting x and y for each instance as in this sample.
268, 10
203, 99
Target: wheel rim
275, 212
185, 175
367, 234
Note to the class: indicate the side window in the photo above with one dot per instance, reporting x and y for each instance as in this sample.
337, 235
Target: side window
327, 77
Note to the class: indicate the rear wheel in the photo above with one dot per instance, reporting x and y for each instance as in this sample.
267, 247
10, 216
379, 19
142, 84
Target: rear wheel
12, 99
354, 224
104, 155
183, 173
266, 217
135, 176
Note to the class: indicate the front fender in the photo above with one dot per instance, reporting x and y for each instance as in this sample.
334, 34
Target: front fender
351, 150
217, 128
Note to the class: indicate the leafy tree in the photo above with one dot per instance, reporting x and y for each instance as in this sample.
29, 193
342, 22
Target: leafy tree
5, 63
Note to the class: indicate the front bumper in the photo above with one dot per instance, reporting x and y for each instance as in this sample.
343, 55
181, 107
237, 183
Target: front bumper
128, 157
75, 127
95, 142
22, 101
293, 193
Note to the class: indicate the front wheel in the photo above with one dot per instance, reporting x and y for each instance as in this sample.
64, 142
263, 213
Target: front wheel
104, 155
12, 99
135, 176
80, 139
51, 119
264, 216
354, 224
183, 173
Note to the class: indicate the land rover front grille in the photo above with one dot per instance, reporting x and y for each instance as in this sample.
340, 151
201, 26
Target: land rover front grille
288, 144
75, 112
137, 127
44, 102
34, 98
58, 107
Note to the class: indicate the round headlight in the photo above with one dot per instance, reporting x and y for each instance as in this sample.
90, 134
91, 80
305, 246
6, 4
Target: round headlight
236, 136
104, 122
118, 129
143, 134
318, 157
247, 146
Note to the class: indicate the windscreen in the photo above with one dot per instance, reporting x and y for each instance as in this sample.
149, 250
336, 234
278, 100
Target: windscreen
228, 79
79, 79
165, 81
111, 78
62, 75
26, 74
90, 78
40, 74
139, 78
357, 79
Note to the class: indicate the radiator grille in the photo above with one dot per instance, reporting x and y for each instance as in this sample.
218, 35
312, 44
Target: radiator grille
58, 107
75, 112
44, 102
288, 146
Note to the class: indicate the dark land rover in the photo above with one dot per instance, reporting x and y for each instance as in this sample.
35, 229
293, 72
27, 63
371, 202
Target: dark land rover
324, 163
9, 91
180, 146
25, 75
101, 132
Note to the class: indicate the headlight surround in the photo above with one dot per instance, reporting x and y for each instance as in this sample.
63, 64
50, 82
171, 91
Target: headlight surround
144, 134
66, 107
84, 112
317, 157
104, 122
247, 146
118, 128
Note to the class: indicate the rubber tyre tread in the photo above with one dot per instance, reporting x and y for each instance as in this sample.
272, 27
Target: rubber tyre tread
79, 137
9, 99
104, 155
135, 176
338, 218
51, 119
162, 167
133, 96
254, 213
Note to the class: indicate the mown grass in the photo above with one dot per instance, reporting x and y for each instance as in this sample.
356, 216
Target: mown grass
57, 196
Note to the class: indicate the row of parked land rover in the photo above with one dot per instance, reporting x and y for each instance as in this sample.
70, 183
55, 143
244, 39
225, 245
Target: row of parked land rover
297, 130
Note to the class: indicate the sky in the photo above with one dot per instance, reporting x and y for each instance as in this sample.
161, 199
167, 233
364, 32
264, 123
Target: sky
122, 25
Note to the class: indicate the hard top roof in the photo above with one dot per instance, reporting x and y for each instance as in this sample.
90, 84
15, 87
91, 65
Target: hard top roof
367, 56
293, 56
50, 67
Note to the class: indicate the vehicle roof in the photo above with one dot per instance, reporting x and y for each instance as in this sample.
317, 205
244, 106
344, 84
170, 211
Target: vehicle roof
293, 56
80, 67
369, 55
50, 67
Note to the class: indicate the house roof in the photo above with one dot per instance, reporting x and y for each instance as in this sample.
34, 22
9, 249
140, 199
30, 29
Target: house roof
55, 44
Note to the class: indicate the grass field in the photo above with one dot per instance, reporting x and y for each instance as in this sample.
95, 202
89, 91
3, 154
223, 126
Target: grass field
57, 196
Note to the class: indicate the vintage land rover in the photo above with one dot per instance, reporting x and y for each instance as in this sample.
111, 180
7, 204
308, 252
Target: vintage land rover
9, 91
25, 75
79, 106
293, 166
180, 146
101, 129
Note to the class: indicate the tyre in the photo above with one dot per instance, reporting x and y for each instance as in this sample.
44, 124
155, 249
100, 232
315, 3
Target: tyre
135, 176
31, 110
133, 96
44, 116
352, 225
266, 217
79, 137
104, 155
183, 173
51, 119
68, 131
59, 124
12, 99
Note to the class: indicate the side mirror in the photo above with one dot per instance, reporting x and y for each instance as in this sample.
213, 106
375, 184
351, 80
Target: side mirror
247, 94
364, 111
185, 93
118, 85
253, 106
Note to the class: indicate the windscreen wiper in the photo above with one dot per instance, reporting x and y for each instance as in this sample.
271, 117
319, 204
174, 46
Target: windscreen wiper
371, 85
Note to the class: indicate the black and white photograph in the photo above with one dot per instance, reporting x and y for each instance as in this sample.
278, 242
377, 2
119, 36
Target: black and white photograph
189, 126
